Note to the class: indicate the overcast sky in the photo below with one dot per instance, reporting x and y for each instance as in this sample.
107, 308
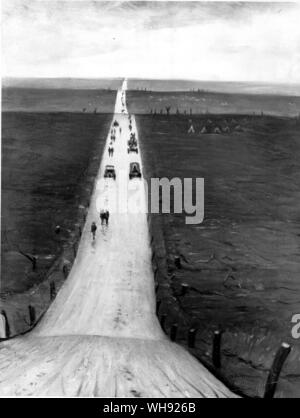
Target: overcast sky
193, 40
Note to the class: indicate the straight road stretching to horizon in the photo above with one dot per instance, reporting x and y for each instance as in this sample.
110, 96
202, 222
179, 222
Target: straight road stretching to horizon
101, 337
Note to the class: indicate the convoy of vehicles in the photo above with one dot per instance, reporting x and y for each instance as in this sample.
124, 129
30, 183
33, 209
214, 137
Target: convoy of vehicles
110, 172
134, 167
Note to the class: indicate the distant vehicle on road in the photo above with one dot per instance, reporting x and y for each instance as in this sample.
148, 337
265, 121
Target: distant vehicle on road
134, 171
116, 123
132, 148
132, 141
110, 172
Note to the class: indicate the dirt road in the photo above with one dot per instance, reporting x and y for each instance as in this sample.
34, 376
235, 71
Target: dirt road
101, 336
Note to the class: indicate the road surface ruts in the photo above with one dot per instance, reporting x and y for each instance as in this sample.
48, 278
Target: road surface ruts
101, 337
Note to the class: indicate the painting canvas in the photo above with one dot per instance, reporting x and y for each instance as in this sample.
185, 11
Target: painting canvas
150, 200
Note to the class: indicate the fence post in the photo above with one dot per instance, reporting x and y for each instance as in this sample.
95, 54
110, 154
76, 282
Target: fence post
158, 302
65, 270
184, 288
216, 355
34, 262
6, 324
173, 332
274, 373
32, 315
52, 290
192, 337
162, 321
177, 262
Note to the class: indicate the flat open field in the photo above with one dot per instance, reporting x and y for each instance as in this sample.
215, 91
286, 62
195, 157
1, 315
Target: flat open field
48, 166
163, 85
243, 262
211, 102
63, 83
22, 99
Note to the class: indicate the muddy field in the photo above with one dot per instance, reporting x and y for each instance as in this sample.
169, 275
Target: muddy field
164, 85
63, 83
28, 99
203, 102
242, 263
49, 162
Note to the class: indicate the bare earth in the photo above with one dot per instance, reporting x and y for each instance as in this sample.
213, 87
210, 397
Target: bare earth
101, 336
242, 263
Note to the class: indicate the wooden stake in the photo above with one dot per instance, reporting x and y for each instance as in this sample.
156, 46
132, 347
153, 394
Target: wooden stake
7, 327
177, 262
216, 355
162, 321
274, 373
158, 302
173, 332
65, 271
52, 290
192, 337
32, 315
74, 250
184, 288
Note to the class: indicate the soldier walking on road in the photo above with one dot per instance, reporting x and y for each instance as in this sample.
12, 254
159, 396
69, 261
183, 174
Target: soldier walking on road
102, 216
106, 217
93, 230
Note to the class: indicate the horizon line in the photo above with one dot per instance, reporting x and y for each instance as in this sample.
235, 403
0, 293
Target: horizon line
148, 78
